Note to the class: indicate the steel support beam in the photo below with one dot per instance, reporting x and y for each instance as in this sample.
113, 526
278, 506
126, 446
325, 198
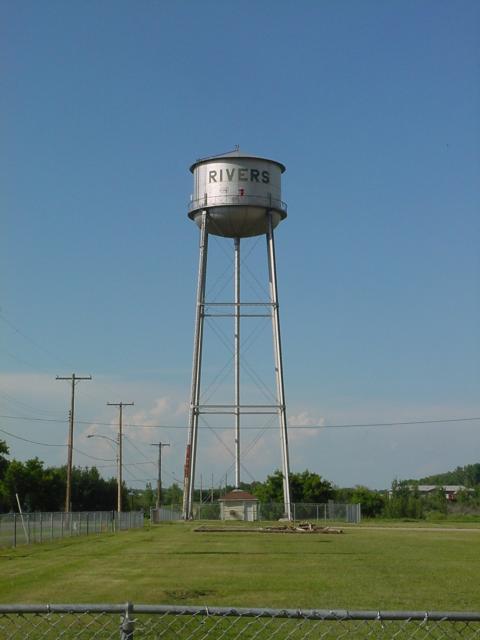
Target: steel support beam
190, 456
277, 350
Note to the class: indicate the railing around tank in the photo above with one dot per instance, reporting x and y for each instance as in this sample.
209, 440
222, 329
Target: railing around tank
235, 200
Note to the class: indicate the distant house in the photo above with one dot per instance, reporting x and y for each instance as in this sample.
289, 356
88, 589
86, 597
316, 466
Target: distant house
451, 490
238, 505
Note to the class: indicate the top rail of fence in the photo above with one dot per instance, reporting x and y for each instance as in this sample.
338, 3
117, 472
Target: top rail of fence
310, 614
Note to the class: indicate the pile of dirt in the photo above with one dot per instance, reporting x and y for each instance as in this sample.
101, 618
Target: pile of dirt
302, 527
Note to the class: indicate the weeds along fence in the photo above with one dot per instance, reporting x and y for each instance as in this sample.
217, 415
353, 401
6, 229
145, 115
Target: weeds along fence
328, 512
149, 622
28, 528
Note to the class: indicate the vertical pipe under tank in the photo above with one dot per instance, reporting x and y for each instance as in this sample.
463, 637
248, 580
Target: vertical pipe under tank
237, 360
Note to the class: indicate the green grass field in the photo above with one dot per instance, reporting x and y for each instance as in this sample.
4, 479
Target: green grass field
364, 568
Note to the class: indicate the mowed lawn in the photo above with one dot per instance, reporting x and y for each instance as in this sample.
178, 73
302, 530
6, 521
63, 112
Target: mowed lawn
363, 568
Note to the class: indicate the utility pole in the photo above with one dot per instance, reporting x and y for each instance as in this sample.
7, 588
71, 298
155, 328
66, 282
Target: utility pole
68, 494
159, 479
120, 405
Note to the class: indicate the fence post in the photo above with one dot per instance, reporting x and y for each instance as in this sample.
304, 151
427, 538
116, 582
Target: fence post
127, 624
14, 529
41, 528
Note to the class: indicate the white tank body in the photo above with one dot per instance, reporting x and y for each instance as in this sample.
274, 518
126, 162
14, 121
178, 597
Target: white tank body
238, 191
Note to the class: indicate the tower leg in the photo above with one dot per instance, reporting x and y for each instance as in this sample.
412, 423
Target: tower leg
191, 452
237, 362
277, 348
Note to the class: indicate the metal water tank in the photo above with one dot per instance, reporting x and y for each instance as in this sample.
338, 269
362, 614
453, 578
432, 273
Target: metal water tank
238, 190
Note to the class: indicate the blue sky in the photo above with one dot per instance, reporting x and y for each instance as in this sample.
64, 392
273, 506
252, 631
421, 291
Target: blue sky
374, 109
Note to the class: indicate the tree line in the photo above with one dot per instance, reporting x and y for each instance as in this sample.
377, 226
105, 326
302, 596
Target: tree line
41, 488
468, 476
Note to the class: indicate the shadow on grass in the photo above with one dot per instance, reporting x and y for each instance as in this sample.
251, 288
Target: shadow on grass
261, 553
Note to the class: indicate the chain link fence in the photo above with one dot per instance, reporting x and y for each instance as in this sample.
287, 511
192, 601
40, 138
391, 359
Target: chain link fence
326, 513
149, 622
167, 513
28, 528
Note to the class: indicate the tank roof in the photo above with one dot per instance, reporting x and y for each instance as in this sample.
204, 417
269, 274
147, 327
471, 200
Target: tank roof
237, 153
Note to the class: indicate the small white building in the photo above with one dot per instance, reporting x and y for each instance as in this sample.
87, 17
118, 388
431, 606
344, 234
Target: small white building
238, 505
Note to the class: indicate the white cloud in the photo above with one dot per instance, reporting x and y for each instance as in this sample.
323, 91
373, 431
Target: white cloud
304, 419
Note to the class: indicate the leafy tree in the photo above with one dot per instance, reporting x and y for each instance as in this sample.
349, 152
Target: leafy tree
310, 487
27, 480
173, 495
466, 497
343, 495
372, 502
4, 451
147, 499
304, 487
41, 489
415, 506
437, 501
91, 492
469, 475
403, 501
272, 489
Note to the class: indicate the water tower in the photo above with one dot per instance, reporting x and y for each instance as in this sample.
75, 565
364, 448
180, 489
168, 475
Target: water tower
236, 195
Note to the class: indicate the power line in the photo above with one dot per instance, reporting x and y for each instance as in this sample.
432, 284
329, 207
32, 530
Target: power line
51, 444
89, 455
92, 422
12, 400
135, 477
132, 444
307, 426
40, 347
31, 340
125, 464
40, 444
